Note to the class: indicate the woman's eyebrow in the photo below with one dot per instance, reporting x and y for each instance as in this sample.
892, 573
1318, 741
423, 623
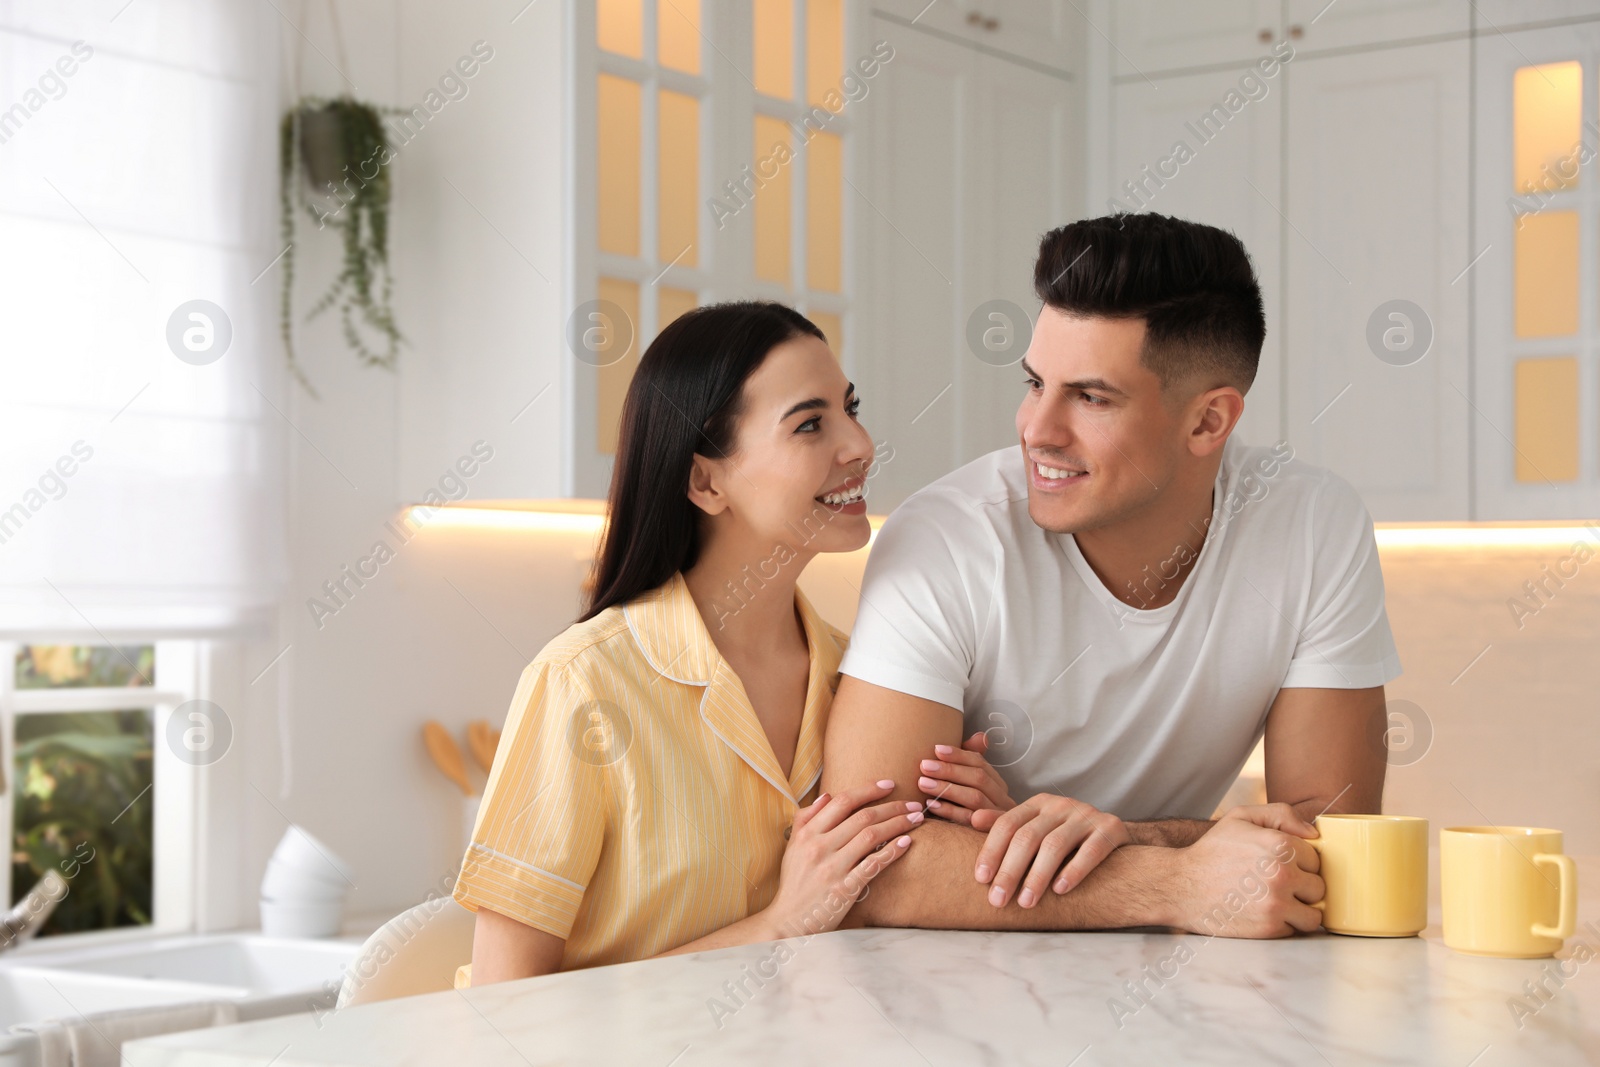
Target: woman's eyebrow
817, 402
804, 405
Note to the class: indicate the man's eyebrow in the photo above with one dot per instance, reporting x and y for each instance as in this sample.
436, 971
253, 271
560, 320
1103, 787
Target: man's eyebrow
1096, 385
817, 402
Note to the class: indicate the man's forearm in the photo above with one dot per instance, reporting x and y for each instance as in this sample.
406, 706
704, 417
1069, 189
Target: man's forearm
1168, 833
932, 886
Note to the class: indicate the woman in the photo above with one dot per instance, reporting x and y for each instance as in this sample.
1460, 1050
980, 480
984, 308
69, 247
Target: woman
655, 790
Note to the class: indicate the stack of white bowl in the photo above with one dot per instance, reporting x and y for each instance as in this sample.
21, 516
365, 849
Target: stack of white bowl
302, 894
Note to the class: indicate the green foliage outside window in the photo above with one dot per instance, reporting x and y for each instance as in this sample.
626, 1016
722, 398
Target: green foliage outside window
84, 805
81, 666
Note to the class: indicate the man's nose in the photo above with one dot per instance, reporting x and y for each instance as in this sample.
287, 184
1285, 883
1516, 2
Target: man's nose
1047, 427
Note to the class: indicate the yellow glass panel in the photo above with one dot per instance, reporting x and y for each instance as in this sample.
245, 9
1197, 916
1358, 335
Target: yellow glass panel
617, 165
824, 212
824, 48
612, 387
678, 34
670, 303
1547, 419
679, 179
620, 27
1546, 273
773, 33
774, 155
1547, 117
830, 324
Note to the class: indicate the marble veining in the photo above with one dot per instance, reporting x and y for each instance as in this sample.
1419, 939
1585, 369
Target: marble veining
920, 997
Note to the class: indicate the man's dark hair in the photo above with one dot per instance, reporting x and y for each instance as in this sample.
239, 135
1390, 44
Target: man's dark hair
1192, 284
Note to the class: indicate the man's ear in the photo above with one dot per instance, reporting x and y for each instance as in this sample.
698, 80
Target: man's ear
1215, 413
705, 486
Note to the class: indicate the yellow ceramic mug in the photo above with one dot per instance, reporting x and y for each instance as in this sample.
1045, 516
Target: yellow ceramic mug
1375, 868
1501, 885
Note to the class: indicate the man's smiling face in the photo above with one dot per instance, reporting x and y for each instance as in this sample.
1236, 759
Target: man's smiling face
1100, 438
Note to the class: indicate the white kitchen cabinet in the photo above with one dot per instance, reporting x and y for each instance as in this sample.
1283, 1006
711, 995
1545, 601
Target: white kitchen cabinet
1231, 179
1537, 455
1158, 35
1153, 36
1495, 16
968, 159
1314, 25
1045, 32
1376, 210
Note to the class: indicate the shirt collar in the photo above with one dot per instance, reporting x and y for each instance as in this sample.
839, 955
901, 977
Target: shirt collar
674, 639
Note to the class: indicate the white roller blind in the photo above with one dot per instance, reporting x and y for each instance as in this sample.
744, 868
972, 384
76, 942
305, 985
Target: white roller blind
139, 492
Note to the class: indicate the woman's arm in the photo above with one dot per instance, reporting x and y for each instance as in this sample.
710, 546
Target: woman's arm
837, 846
747, 931
504, 949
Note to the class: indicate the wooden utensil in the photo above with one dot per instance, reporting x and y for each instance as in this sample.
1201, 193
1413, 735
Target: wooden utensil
446, 755
482, 741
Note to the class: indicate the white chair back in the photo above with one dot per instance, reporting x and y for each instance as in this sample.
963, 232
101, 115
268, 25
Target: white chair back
415, 952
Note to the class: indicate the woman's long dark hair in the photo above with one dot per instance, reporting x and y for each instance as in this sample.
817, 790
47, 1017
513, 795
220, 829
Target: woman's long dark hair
685, 398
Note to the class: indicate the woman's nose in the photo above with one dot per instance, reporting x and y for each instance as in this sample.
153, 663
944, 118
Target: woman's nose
860, 449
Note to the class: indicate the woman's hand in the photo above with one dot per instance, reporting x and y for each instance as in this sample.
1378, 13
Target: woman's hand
960, 781
1035, 838
834, 853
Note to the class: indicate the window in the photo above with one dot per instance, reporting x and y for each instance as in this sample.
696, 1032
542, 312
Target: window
1547, 113
650, 104
95, 787
712, 161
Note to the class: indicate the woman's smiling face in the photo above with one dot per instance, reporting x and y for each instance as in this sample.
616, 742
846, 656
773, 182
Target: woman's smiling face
798, 473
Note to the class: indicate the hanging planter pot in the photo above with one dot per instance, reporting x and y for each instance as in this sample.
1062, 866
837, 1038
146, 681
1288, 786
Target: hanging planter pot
320, 145
342, 149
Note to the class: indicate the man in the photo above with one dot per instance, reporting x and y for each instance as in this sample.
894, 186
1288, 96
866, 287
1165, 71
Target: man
1124, 605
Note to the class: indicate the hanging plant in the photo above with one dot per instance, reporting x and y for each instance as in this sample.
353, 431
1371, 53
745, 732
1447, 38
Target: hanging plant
344, 151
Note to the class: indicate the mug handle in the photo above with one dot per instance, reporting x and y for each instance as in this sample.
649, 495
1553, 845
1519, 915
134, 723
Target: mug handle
1568, 922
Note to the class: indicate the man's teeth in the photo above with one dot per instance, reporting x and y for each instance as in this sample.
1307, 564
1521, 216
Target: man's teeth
849, 496
1054, 472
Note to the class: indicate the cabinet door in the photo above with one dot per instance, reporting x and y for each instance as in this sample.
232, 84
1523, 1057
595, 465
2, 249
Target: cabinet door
1023, 182
967, 162
1313, 25
1163, 160
1047, 32
1536, 380
913, 140
1493, 16
1377, 212
1154, 35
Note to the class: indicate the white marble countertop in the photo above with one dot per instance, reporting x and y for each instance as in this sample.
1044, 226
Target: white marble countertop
937, 997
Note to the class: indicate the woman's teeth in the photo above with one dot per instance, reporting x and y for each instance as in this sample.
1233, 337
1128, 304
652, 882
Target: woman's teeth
1053, 472
849, 496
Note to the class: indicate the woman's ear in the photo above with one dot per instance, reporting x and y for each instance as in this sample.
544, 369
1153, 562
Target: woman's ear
705, 490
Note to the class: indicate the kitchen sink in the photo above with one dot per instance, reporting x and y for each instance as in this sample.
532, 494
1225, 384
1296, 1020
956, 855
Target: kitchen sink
251, 963
29, 995
262, 976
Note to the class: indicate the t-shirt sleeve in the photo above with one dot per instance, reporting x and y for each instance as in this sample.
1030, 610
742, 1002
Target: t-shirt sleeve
1345, 641
924, 598
539, 830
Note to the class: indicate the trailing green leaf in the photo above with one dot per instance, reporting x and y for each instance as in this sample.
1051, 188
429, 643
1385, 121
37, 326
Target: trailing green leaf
357, 199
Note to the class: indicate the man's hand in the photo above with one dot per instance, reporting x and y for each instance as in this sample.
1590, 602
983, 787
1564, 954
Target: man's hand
1251, 875
1035, 838
960, 781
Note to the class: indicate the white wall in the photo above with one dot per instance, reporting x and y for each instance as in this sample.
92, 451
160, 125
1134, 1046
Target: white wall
329, 737
1514, 738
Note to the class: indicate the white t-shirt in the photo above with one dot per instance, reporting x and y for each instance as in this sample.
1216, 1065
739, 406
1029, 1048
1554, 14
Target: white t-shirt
1144, 713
